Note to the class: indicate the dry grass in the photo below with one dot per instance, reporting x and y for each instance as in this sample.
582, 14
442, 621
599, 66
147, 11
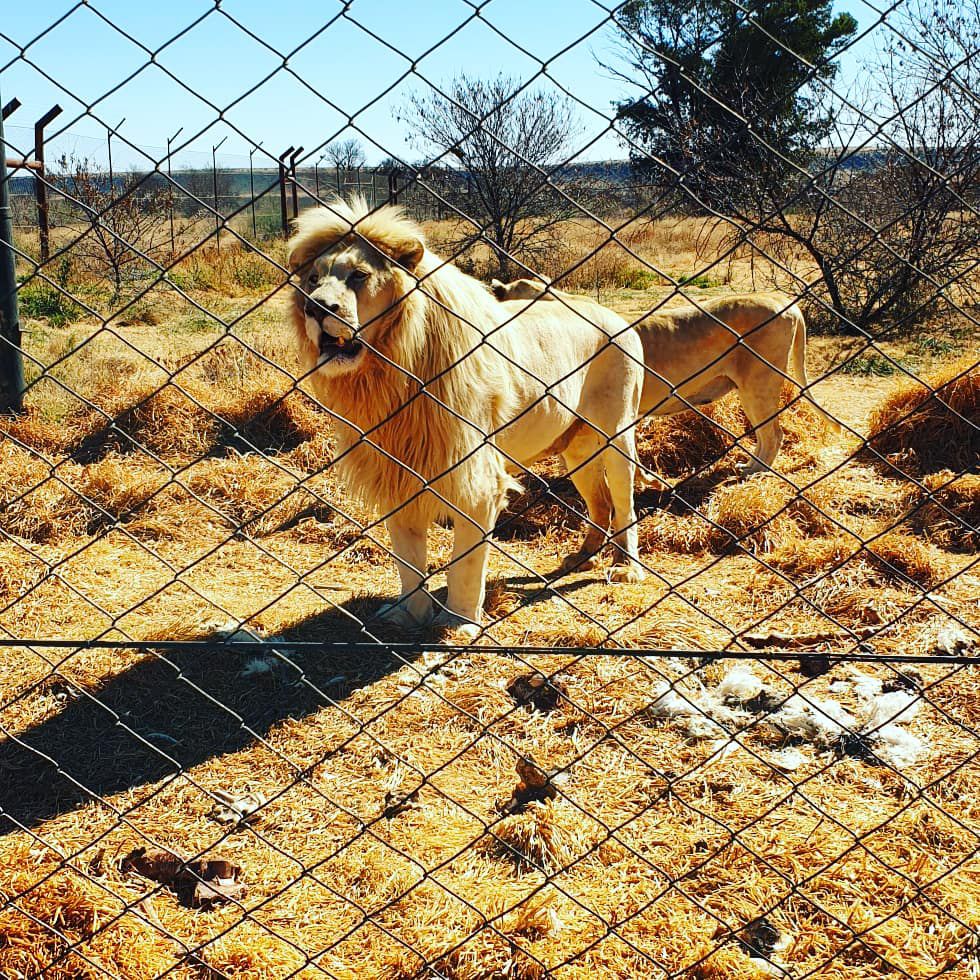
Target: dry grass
389, 781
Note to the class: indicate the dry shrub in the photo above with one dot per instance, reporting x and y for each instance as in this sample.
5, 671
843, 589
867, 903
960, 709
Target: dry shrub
67, 920
762, 513
685, 535
485, 954
679, 444
276, 423
168, 423
609, 266
179, 426
39, 432
894, 556
932, 424
34, 504
539, 511
118, 486
948, 514
803, 558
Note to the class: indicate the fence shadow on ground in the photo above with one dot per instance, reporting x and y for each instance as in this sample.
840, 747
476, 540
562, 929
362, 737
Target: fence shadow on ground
176, 709
173, 710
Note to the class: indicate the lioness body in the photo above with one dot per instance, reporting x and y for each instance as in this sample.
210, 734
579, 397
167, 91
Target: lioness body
694, 355
440, 396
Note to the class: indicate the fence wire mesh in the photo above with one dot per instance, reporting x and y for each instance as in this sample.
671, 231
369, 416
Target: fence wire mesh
360, 619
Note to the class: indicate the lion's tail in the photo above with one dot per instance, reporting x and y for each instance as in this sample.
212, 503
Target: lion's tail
797, 368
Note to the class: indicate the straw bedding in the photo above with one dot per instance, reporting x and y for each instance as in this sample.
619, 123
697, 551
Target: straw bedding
932, 424
389, 846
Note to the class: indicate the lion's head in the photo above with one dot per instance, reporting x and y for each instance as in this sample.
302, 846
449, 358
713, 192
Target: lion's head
521, 289
350, 268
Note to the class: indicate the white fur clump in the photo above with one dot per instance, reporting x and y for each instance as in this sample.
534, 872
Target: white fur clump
740, 684
881, 720
697, 712
864, 685
952, 639
892, 708
897, 746
821, 722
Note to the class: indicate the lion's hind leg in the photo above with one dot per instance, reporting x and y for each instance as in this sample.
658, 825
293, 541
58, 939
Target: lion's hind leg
761, 402
585, 471
619, 463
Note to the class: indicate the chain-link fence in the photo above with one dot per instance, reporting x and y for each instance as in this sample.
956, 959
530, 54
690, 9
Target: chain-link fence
493, 579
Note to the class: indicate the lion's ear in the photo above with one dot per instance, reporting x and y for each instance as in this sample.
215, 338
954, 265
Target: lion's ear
408, 253
497, 288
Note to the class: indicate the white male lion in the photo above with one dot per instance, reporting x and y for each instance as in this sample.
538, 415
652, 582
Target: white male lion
695, 354
441, 395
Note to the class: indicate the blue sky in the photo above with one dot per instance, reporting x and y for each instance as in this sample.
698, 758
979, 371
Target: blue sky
343, 71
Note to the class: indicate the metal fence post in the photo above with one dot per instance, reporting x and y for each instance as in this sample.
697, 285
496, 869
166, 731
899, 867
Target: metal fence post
251, 188
282, 191
170, 192
11, 360
40, 182
292, 177
218, 216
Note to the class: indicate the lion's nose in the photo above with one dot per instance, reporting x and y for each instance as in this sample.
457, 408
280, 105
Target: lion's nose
319, 310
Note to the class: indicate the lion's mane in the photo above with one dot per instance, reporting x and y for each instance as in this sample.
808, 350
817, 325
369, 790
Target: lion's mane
423, 406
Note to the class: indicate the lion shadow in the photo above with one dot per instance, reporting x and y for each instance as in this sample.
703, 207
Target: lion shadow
176, 708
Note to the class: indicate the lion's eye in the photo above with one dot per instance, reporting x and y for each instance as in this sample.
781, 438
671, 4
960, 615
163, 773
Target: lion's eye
314, 279
358, 277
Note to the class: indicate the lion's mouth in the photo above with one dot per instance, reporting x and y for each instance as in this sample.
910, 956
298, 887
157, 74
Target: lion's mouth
333, 348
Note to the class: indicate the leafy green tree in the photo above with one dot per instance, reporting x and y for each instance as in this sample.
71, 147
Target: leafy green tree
729, 90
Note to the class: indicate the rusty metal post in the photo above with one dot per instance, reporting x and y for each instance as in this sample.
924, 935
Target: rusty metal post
12, 106
40, 182
218, 217
292, 177
11, 359
251, 189
170, 193
282, 191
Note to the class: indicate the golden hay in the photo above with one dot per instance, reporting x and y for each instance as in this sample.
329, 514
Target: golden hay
901, 556
762, 515
804, 558
895, 558
427, 888
933, 424
948, 513
676, 445
545, 837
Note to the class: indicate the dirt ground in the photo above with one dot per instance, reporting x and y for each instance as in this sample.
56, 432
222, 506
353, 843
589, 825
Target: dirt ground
190, 492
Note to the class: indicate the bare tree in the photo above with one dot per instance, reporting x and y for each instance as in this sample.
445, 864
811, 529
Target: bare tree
887, 212
128, 220
346, 154
506, 148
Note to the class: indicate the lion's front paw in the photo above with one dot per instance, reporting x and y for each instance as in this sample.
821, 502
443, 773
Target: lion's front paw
581, 561
750, 468
465, 629
627, 573
399, 614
